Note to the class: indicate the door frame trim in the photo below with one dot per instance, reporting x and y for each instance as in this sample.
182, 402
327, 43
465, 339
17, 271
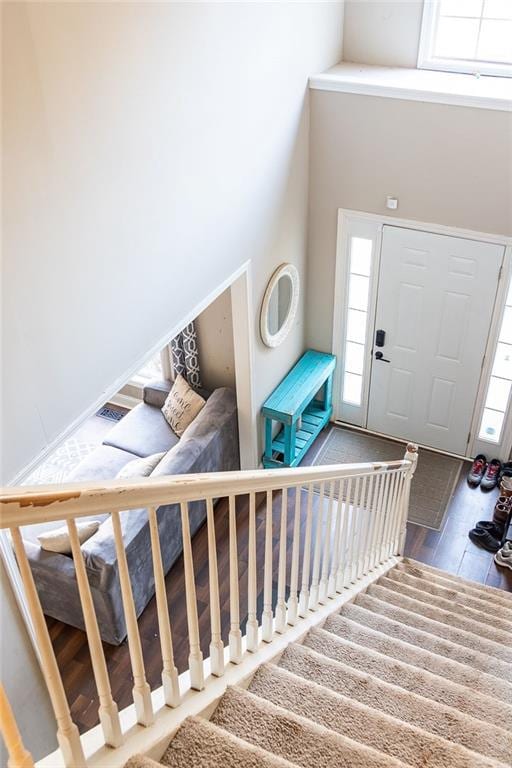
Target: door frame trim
345, 216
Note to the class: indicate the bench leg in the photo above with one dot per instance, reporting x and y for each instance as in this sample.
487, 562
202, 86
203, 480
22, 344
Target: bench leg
268, 438
289, 443
328, 394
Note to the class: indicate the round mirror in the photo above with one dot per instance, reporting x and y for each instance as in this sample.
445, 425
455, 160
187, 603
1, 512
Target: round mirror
279, 305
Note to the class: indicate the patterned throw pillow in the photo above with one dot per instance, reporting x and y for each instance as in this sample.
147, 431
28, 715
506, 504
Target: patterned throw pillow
182, 406
58, 539
140, 467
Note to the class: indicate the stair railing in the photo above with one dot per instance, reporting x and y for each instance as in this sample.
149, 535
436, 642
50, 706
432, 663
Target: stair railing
347, 520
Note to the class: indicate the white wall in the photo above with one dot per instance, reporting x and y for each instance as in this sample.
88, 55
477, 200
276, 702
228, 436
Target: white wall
149, 150
214, 328
447, 165
382, 32
22, 678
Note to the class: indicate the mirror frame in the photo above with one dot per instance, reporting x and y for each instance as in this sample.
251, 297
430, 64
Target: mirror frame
275, 339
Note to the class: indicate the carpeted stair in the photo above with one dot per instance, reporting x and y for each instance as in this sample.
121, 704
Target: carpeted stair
417, 671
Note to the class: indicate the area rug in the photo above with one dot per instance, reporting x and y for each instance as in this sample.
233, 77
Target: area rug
434, 481
59, 465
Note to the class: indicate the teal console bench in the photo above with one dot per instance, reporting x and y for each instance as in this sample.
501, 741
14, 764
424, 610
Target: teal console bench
294, 406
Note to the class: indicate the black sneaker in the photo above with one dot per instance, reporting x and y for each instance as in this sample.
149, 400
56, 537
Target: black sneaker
495, 529
506, 469
477, 470
484, 539
491, 476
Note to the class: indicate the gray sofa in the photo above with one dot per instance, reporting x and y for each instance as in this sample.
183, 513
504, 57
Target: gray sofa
209, 444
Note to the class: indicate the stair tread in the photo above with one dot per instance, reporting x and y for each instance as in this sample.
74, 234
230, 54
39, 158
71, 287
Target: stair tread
450, 592
457, 662
412, 679
496, 628
291, 736
416, 671
410, 744
202, 744
394, 648
390, 698
465, 585
141, 761
391, 605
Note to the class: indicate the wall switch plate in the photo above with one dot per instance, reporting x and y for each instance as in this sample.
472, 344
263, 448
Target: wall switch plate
392, 202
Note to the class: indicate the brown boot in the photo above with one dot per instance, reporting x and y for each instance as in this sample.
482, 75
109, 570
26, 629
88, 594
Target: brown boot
506, 487
502, 510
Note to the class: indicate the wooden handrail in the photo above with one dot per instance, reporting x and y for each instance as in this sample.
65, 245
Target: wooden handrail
26, 505
356, 521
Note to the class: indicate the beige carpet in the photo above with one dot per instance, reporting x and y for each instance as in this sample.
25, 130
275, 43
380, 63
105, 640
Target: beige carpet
434, 481
415, 672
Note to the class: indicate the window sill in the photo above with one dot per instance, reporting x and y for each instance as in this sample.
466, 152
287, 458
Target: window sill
417, 85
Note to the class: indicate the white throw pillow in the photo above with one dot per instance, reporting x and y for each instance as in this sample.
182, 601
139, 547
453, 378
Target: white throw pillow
181, 406
142, 467
58, 539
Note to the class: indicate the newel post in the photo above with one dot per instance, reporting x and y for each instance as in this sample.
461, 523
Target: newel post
411, 454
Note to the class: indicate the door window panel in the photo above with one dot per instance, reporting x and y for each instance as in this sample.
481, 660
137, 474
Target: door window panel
500, 381
360, 263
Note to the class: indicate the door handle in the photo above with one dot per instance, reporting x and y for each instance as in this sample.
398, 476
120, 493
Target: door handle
380, 356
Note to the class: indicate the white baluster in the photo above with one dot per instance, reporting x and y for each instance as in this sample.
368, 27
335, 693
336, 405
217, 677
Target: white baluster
359, 528
397, 515
352, 531
322, 592
344, 495
381, 517
169, 672
389, 515
19, 757
331, 584
216, 644
306, 558
195, 658
365, 527
411, 455
252, 620
141, 690
377, 512
293, 602
267, 619
67, 732
386, 508
392, 516
281, 578
372, 507
315, 575
235, 636
108, 713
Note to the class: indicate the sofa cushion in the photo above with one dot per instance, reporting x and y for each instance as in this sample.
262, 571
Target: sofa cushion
155, 392
102, 464
58, 539
142, 432
182, 406
140, 467
32, 532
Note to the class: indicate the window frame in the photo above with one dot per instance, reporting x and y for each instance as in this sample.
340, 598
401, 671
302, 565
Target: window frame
426, 59
351, 224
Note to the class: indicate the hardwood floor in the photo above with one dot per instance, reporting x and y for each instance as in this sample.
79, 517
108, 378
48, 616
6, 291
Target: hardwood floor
449, 549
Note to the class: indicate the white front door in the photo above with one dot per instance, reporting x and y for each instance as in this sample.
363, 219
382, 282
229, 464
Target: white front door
436, 295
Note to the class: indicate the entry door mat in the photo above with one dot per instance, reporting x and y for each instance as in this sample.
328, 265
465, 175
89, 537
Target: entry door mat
434, 481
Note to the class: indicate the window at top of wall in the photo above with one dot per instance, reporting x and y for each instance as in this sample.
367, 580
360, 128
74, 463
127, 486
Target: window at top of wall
471, 36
